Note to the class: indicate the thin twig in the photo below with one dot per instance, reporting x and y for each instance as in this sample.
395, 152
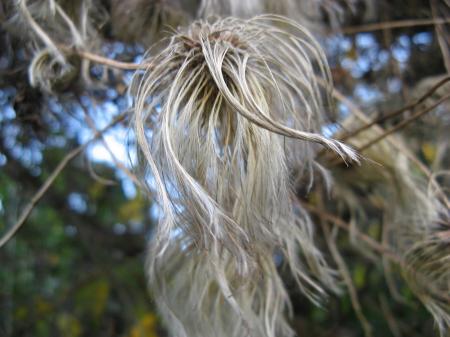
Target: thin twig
441, 36
403, 124
116, 161
331, 235
345, 273
393, 24
348, 30
397, 112
49, 181
104, 60
390, 318
359, 114
375, 245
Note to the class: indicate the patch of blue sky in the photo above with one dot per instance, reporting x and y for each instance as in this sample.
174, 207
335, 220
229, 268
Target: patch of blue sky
343, 110
3, 159
57, 141
401, 49
138, 58
6, 94
338, 43
155, 211
394, 85
111, 50
99, 153
109, 109
127, 77
119, 229
423, 38
111, 93
367, 94
55, 106
345, 44
128, 187
29, 156
77, 202
366, 41
363, 64
7, 112
97, 70
329, 130
382, 59
136, 227
10, 132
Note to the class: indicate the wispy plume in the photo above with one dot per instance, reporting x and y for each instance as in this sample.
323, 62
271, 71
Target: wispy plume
52, 28
415, 221
314, 14
222, 116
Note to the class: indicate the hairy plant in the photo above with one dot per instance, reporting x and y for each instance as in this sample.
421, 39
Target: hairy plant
51, 28
415, 222
222, 116
242, 9
310, 13
428, 269
146, 21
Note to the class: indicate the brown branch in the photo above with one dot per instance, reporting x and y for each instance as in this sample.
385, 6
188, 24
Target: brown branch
359, 114
348, 30
102, 59
391, 114
345, 273
110, 62
410, 156
50, 180
116, 161
375, 245
441, 36
393, 25
403, 124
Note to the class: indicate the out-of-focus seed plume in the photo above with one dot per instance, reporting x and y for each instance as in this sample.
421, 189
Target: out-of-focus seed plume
147, 21
314, 14
51, 28
415, 221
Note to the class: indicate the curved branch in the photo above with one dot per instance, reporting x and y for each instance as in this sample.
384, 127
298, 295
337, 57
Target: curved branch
394, 24
49, 181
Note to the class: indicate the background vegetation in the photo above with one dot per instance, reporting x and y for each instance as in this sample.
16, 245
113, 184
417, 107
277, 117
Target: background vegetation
75, 268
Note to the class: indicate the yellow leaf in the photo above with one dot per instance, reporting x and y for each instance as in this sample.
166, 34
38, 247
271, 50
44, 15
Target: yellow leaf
69, 325
42, 306
132, 210
96, 190
374, 231
359, 276
145, 327
429, 152
94, 297
352, 53
21, 313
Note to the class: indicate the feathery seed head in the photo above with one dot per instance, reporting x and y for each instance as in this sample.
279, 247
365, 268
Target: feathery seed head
222, 115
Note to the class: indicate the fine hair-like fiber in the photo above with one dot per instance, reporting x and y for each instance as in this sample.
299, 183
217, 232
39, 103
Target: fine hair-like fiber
222, 115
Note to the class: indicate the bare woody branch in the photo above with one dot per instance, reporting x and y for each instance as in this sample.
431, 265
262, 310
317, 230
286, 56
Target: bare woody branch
50, 180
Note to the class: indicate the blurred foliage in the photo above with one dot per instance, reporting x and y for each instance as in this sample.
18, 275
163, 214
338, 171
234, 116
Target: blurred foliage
76, 268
